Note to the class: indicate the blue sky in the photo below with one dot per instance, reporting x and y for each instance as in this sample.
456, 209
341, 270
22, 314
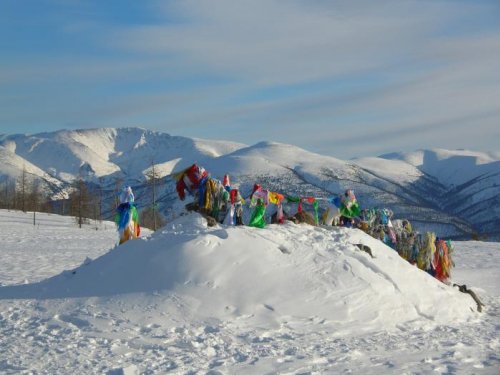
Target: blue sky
342, 78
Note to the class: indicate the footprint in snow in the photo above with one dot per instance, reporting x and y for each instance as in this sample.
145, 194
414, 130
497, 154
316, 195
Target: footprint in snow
283, 249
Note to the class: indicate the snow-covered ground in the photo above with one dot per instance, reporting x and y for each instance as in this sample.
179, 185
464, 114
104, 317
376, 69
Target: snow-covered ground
34, 252
290, 299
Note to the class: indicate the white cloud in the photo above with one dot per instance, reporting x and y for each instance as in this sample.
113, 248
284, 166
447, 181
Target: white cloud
274, 42
432, 76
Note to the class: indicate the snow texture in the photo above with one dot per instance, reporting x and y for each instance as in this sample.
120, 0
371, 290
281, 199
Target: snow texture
289, 299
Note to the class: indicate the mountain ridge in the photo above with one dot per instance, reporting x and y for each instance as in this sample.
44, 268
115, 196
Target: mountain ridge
451, 191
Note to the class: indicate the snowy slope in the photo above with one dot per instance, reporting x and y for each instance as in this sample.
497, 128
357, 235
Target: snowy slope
378, 182
451, 167
467, 183
12, 166
126, 152
286, 299
454, 193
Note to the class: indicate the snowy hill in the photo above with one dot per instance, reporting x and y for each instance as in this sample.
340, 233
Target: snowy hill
123, 152
451, 167
468, 183
288, 298
12, 166
454, 193
213, 268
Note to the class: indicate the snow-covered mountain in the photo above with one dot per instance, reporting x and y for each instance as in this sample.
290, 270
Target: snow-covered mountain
95, 153
454, 193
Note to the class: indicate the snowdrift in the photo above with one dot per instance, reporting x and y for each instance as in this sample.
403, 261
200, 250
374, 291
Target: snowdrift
285, 274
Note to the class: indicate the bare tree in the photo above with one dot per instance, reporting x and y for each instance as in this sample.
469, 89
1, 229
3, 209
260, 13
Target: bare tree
80, 202
117, 190
5, 196
23, 186
150, 216
46, 205
10, 194
95, 201
34, 198
100, 198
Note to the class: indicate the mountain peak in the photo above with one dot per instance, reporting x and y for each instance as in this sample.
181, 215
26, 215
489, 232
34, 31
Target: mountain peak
449, 189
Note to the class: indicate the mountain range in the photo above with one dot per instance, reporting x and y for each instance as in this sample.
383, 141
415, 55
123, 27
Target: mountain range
454, 193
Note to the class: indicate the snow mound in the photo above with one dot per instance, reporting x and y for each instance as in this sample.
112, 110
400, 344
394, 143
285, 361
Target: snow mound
289, 274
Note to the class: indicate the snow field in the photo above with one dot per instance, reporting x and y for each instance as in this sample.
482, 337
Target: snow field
34, 252
287, 299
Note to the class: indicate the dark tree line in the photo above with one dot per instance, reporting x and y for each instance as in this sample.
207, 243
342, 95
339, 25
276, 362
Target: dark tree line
87, 202
24, 194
